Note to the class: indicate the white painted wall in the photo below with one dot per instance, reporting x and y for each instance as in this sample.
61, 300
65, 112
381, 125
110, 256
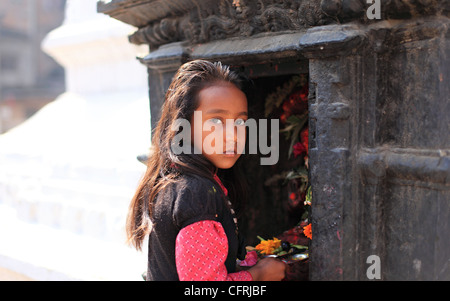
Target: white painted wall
68, 173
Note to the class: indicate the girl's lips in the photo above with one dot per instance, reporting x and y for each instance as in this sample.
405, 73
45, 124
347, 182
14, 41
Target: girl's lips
230, 153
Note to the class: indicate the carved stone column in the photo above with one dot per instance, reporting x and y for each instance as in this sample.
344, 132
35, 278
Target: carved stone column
335, 63
379, 149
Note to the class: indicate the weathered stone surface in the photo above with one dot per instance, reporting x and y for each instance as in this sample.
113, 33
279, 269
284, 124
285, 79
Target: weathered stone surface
380, 150
161, 22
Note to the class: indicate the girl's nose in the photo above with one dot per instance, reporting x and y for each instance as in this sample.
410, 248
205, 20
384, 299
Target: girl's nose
230, 132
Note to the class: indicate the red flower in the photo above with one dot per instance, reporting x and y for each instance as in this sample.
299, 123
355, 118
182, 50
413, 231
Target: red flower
304, 135
299, 149
287, 106
283, 118
304, 93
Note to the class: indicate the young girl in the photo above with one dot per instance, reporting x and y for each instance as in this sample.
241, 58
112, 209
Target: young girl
181, 201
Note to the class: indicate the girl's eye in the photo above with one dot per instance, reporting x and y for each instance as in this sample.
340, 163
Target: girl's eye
216, 120
239, 122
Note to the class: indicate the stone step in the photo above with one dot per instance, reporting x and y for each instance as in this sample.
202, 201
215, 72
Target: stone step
40, 252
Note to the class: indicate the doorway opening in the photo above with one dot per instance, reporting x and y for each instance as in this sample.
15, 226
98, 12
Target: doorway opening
279, 198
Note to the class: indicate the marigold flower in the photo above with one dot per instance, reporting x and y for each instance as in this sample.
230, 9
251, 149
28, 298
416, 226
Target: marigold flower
268, 246
307, 231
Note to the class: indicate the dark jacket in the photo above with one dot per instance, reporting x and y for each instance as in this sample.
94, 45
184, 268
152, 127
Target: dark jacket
190, 199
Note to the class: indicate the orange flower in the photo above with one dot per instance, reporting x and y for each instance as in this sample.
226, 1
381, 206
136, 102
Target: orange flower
268, 246
307, 231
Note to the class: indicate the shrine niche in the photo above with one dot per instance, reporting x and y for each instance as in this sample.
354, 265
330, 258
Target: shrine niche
376, 119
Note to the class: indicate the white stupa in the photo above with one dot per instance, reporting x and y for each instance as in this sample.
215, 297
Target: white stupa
68, 173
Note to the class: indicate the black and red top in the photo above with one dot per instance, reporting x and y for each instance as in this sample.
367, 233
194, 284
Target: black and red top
194, 233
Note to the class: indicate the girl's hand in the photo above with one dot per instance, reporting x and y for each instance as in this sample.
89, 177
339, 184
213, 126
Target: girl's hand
268, 269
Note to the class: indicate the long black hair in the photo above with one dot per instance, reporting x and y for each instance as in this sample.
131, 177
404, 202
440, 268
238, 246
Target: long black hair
163, 165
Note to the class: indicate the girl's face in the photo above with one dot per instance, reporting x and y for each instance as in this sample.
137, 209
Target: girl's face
221, 135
